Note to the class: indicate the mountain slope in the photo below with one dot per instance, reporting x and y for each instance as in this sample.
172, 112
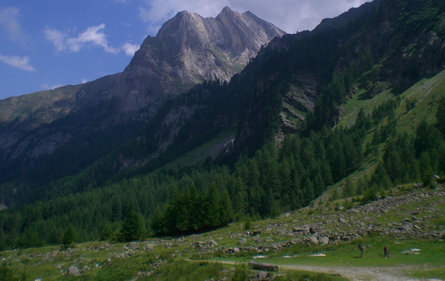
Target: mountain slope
67, 129
293, 90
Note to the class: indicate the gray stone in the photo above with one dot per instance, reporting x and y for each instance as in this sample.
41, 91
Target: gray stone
73, 270
314, 239
242, 241
298, 229
324, 240
262, 276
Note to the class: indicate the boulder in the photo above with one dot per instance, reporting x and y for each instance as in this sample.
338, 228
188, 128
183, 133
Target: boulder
73, 270
242, 241
298, 229
314, 239
262, 276
324, 240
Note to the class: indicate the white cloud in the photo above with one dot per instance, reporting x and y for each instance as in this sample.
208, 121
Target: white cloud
83, 81
58, 39
18, 62
289, 15
93, 35
9, 21
130, 49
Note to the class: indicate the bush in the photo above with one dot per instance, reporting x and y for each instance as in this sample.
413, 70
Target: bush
241, 273
370, 195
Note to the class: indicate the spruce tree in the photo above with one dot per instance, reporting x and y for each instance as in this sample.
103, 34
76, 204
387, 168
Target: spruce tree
440, 116
133, 227
69, 236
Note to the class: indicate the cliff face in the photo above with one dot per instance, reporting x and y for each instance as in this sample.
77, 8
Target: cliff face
189, 49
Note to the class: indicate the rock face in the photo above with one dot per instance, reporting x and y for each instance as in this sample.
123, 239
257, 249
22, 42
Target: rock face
187, 50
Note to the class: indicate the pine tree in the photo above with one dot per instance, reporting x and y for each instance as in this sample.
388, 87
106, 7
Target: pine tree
440, 116
133, 227
226, 211
106, 232
69, 236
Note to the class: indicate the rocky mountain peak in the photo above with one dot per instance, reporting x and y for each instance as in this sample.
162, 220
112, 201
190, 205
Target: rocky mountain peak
228, 11
189, 49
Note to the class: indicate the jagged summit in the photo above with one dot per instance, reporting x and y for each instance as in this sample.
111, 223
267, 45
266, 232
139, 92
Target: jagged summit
227, 11
190, 48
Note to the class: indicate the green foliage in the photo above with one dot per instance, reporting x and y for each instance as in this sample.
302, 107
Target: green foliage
369, 196
106, 232
247, 224
303, 276
188, 271
6, 273
69, 236
190, 211
440, 116
133, 227
241, 273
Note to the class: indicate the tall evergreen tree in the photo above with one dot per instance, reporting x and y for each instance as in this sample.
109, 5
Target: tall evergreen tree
69, 236
133, 227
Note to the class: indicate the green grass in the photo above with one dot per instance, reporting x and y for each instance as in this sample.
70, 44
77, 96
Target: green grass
101, 260
199, 154
303, 276
424, 96
352, 107
186, 271
347, 254
436, 273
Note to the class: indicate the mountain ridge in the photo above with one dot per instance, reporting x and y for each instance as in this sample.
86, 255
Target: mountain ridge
35, 126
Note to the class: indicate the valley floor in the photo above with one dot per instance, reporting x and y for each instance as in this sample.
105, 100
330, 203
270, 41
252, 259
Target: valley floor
410, 222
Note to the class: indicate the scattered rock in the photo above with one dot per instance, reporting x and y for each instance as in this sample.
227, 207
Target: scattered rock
314, 239
242, 241
73, 270
298, 229
234, 250
262, 276
324, 240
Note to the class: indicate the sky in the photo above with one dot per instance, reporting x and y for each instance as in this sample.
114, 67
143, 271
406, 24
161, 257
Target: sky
50, 43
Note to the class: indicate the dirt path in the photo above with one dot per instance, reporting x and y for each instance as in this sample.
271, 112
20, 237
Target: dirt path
359, 273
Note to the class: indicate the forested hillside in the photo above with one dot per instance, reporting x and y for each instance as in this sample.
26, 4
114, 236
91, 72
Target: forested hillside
372, 119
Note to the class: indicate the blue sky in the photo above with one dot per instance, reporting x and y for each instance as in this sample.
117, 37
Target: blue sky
49, 43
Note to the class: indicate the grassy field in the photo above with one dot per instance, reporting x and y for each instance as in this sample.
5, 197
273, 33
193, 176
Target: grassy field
419, 254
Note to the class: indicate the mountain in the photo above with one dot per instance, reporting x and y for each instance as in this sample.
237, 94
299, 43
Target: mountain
352, 108
82, 119
189, 49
